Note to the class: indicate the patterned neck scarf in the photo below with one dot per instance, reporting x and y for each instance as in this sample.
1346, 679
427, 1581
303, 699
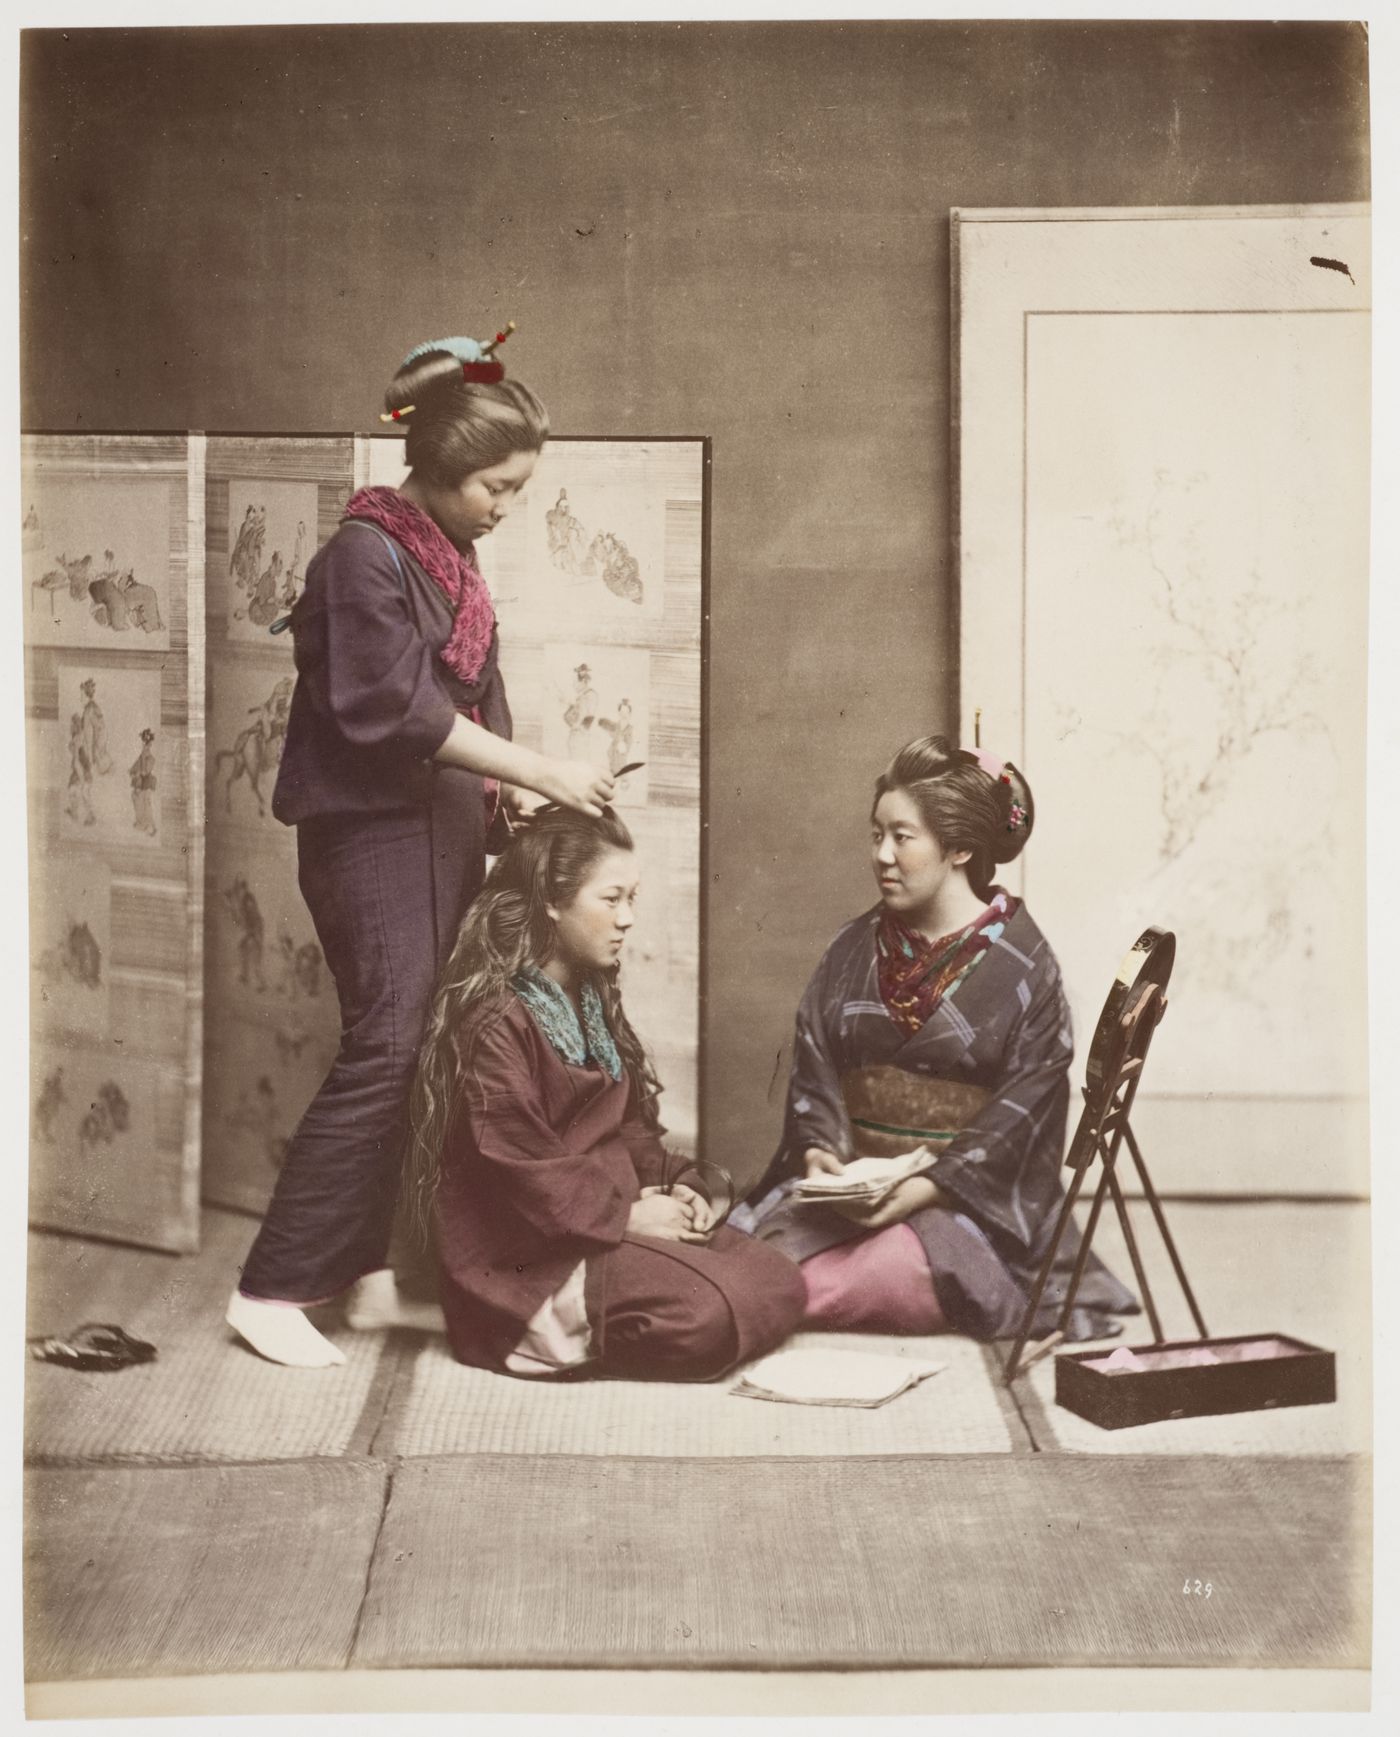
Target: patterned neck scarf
456, 575
916, 973
554, 1012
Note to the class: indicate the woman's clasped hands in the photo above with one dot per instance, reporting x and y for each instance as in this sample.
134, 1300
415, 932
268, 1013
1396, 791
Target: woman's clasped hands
678, 1214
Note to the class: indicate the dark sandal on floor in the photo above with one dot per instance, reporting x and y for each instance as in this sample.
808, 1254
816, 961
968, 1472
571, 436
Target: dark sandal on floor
96, 1345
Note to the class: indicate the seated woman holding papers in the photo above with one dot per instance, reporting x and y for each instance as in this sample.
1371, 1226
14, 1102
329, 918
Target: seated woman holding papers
563, 1242
934, 1041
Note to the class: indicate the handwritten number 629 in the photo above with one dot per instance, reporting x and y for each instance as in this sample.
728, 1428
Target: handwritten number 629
1197, 1588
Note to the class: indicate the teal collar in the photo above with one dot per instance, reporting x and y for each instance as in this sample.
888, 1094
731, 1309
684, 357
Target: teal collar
555, 1014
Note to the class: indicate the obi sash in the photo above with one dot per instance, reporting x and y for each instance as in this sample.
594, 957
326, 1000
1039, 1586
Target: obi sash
891, 1110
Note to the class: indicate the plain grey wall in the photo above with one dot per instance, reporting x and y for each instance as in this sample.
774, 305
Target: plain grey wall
731, 230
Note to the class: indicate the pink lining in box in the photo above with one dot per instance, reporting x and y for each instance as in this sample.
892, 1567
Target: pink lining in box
1127, 1361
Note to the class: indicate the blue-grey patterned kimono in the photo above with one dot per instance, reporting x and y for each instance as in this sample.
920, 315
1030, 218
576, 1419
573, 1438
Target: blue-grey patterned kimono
1006, 1028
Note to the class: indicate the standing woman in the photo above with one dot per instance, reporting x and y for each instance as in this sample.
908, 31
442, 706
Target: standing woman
397, 748
143, 782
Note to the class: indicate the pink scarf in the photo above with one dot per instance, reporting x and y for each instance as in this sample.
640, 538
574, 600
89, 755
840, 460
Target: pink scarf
456, 575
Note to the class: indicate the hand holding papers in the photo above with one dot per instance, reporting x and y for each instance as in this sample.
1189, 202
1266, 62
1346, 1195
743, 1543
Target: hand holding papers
867, 1181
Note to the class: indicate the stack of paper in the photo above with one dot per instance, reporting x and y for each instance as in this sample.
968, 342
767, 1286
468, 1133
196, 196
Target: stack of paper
868, 1180
856, 1378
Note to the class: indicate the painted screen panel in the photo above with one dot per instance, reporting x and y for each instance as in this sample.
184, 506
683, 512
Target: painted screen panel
272, 1025
598, 584
1162, 476
1191, 488
113, 576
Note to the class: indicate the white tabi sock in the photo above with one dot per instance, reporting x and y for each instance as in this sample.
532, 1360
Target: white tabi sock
375, 1303
281, 1333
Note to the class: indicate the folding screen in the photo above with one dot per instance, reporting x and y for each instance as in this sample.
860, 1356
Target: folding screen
113, 573
179, 988
1163, 529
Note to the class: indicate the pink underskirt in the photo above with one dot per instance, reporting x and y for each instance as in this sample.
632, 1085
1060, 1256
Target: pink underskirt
878, 1283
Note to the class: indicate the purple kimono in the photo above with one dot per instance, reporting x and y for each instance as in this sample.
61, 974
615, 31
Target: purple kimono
1006, 1028
391, 849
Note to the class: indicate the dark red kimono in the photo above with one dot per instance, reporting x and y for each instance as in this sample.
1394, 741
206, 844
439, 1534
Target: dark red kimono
540, 1170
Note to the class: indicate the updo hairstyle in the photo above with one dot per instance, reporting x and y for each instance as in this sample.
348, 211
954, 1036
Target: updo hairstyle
459, 426
963, 805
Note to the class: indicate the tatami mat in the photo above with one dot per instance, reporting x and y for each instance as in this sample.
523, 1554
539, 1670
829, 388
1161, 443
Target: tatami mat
206, 1397
636, 1525
1270, 1267
136, 1571
1301, 1269
454, 1409
1005, 1560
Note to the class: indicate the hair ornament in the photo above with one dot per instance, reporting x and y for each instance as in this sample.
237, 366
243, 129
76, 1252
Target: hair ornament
464, 349
1020, 813
478, 363
992, 764
484, 368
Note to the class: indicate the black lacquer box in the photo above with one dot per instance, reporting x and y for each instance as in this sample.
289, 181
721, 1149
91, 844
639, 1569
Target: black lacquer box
1193, 1378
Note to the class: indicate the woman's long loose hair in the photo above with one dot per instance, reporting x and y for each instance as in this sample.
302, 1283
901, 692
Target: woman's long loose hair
507, 928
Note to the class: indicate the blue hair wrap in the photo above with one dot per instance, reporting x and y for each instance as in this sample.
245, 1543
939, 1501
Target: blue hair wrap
464, 349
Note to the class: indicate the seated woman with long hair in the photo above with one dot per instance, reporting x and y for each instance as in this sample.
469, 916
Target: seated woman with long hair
938, 1019
563, 1242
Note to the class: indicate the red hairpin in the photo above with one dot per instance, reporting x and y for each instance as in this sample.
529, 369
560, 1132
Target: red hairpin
488, 372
